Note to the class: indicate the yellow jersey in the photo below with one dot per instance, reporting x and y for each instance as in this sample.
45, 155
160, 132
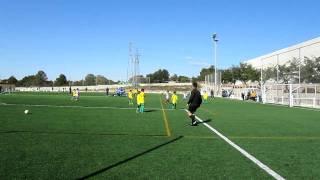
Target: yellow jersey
142, 97
174, 99
205, 96
134, 91
130, 95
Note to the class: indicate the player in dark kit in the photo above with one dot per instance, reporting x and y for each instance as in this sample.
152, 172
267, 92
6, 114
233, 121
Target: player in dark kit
194, 103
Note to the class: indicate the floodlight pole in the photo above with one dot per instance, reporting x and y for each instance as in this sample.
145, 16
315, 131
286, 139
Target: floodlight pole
277, 69
261, 72
215, 40
299, 65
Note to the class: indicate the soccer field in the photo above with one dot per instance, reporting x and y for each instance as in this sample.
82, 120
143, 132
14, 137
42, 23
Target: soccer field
104, 138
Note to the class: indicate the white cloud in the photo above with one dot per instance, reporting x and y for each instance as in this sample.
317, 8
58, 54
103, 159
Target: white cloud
195, 62
198, 63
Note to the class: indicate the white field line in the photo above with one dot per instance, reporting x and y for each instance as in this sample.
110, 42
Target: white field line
280, 105
85, 107
243, 152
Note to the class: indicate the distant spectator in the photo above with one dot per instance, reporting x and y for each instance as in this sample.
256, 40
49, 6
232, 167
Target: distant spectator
167, 97
107, 91
211, 94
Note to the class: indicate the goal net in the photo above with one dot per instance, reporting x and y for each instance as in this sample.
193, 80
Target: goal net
304, 95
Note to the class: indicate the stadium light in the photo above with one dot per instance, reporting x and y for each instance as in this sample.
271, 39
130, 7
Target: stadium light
215, 40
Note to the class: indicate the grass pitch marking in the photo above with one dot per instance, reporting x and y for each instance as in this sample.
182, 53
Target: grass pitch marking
75, 106
243, 152
165, 119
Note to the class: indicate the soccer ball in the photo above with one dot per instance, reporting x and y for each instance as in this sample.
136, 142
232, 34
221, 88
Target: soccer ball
26, 111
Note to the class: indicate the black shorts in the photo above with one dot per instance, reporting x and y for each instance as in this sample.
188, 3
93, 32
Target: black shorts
193, 108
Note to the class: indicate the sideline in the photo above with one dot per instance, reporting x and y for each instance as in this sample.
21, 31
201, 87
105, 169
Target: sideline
165, 119
243, 152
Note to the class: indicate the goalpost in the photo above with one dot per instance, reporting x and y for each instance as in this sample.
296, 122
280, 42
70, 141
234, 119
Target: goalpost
304, 95
210, 83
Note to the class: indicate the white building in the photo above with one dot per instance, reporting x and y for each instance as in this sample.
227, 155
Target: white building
308, 49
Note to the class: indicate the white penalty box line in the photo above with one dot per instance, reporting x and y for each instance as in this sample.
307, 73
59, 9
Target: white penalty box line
242, 151
71, 106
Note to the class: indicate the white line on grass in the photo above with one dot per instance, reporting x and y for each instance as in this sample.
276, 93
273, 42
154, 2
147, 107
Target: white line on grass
243, 152
86, 107
279, 105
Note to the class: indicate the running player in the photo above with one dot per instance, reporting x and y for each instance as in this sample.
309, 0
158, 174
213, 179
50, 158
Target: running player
142, 96
167, 97
130, 97
73, 94
205, 97
174, 100
140, 101
77, 94
194, 103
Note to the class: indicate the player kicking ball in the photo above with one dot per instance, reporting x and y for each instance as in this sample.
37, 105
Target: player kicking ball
194, 103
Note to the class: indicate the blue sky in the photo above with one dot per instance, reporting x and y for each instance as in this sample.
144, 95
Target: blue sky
77, 37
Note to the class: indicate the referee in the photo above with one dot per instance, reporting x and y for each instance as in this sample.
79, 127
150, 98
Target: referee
194, 103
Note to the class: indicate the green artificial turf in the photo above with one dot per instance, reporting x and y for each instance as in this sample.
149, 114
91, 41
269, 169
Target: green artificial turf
102, 137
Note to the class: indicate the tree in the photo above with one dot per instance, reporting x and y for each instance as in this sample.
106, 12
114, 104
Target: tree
227, 76
248, 73
78, 83
294, 69
101, 80
268, 74
310, 72
61, 80
174, 77
204, 72
12, 80
183, 79
90, 79
41, 78
284, 74
162, 75
28, 81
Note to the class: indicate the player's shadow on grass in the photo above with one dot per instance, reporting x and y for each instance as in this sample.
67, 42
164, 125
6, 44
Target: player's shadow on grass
130, 158
149, 110
205, 121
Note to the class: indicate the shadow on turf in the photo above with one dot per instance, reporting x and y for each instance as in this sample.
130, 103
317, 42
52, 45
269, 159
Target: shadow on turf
130, 158
150, 110
205, 121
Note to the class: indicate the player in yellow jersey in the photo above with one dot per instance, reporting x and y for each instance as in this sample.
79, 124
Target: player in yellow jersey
140, 101
174, 100
73, 94
205, 97
142, 96
130, 97
135, 92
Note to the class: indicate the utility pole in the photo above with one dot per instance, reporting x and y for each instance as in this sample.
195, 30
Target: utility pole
130, 65
215, 41
136, 68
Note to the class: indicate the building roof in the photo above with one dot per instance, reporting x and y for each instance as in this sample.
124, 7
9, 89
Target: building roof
310, 49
